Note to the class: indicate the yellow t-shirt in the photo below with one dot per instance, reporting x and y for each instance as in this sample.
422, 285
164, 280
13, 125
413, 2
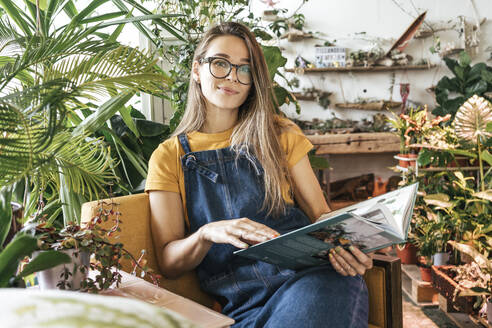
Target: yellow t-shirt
166, 174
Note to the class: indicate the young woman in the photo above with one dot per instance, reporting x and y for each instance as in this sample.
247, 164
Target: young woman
228, 179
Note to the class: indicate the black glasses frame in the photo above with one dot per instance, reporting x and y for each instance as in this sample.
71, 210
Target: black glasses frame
231, 65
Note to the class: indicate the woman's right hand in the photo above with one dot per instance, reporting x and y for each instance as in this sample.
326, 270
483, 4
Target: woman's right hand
237, 232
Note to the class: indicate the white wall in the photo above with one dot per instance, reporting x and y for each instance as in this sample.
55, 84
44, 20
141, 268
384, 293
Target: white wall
342, 20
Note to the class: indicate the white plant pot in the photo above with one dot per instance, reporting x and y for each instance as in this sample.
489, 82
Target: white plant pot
48, 279
440, 258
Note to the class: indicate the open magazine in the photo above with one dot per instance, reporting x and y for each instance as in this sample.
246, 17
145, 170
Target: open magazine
370, 225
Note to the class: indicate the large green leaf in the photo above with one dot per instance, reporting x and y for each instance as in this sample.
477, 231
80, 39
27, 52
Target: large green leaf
465, 59
5, 213
476, 72
127, 118
87, 11
439, 200
139, 164
103, 17
486, 75
450, 63
10, 257
45, 260
171, 29
487, 156
476, 89
280, 94
98, 119
14, 13
274, 59
43, 4
150, 128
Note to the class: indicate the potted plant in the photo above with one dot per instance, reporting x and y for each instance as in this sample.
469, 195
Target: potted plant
476, 278
80, 242
49, 85
467, 80
407, 253
418, 126
401, 126
423, 236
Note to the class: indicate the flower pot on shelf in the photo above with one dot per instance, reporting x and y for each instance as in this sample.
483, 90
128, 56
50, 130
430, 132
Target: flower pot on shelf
425, 273
407, 253
401, 160
412, 160
49, 279
459, 161
442, 280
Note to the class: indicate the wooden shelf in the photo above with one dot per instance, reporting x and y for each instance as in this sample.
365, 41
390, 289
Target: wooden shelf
361, 69
420, 292
355, 143
465, 168
371, 105
300, 96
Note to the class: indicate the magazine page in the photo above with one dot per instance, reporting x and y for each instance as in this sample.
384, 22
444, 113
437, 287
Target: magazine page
381, 216
310, 245
399, 202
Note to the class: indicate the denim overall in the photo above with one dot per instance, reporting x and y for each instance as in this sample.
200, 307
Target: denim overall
255, 293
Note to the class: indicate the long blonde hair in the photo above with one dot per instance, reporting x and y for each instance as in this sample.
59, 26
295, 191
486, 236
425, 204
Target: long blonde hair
257, 129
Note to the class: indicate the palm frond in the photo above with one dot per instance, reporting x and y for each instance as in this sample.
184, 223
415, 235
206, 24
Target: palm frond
47, 51
85, 163
120, 68
30, 120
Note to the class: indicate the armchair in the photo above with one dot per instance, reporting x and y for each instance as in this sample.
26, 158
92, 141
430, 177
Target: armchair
383, 280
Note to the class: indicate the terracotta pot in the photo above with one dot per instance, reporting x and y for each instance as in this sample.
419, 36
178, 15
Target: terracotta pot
402, 163
413, 162
460, 161
425, 273
407, 253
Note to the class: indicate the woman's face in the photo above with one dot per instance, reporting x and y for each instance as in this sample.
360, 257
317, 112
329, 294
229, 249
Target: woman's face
227, 92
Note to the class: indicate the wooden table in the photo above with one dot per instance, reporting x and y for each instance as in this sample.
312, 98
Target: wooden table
350, 143
136, 288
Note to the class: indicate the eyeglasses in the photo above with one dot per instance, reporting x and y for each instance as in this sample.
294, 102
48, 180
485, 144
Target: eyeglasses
220, 68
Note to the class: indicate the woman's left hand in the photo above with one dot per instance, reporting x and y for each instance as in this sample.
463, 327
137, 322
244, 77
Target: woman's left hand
353, 262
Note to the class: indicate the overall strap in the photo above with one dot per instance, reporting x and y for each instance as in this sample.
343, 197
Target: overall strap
190, 161
183, 140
